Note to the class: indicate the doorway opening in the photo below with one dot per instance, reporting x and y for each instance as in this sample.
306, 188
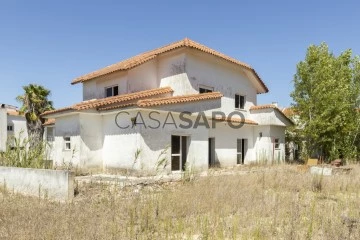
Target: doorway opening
211, 152
179, 148
241, 150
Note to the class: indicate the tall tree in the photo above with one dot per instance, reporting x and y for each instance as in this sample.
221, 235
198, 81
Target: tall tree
326, 98
35, 102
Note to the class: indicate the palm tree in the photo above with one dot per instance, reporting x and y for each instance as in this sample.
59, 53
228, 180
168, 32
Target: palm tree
35, 102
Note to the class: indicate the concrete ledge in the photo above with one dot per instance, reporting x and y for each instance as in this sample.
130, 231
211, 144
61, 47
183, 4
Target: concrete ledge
326, 171
44, 183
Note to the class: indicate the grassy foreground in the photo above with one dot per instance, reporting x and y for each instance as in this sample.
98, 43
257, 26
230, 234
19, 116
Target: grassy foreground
280, 203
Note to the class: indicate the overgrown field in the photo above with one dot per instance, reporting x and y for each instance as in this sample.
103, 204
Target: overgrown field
279, 203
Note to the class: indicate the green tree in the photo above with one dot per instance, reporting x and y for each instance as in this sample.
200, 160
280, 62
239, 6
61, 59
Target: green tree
326, 98
35, 102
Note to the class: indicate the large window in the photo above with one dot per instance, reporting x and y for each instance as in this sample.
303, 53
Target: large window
178, 152
239, 101
112, 91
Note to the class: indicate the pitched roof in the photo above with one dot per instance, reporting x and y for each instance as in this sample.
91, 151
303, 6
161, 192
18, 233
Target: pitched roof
236, 120
178, 99
270, 106
147, 56
96, 103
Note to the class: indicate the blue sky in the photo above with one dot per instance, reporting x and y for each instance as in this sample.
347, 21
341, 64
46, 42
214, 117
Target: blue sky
52, 42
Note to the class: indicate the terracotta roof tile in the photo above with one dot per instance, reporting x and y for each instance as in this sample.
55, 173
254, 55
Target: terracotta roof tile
13, 112
178, 99
112, 100
236, 120
48, 122
144, 57
289, 111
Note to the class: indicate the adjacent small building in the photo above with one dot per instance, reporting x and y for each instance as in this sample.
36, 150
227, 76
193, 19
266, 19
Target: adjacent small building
11, 124
183, 104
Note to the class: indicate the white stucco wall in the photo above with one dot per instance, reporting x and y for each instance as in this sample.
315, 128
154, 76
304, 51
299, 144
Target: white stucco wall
19, 126
3, 129
67, 126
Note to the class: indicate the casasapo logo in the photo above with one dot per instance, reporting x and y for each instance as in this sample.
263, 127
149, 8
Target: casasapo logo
184, 120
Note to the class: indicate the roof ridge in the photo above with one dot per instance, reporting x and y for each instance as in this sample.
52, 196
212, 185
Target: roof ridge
141, 58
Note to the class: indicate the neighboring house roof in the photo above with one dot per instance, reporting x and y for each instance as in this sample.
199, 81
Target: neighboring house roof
96, 103
168, 100
271, 106
49, 122
144, 57
13, 112
289, 112
236, 120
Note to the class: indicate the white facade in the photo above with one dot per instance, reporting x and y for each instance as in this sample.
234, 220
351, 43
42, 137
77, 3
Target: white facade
96, 140
11, 125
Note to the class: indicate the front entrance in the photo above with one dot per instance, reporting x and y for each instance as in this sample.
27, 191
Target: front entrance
179, 147
241, 150
211, 152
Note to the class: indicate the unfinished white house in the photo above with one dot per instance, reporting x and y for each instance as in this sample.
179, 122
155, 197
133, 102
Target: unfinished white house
180, 105
11, 124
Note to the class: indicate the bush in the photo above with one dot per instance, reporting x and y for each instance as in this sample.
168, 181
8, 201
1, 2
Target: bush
19, 154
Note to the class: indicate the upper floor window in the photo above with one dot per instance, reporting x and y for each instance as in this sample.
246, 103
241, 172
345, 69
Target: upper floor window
205, 89
239, 101
112, 91
10, 128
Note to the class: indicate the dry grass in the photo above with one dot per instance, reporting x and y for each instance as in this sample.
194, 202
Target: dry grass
283, 203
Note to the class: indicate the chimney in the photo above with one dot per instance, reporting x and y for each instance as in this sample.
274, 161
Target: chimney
275, 104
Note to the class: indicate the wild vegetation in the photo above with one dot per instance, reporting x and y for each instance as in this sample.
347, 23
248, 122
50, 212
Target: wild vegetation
326, 100
279, 202
19, 153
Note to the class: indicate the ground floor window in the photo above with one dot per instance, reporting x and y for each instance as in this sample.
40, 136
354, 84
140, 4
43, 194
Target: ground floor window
277, 143
178, 152
50, 134
67, 143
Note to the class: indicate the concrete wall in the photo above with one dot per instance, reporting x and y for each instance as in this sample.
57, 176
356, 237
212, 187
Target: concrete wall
52, 184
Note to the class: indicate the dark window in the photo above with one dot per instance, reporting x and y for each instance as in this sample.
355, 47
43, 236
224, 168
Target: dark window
204, 90
116, 90
239, 101
10, 128
112, 91
277, 143
67, 143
